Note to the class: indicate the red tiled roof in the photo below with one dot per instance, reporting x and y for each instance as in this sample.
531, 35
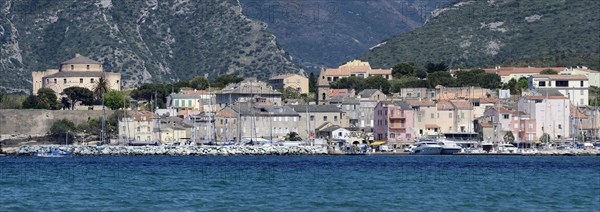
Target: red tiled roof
444, 105
225, 114
546, 97
335, 92
486, 124
489, 100
505, 71
562, 77
417, 102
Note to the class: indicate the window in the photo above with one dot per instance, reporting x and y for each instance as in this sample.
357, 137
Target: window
324, 118
183, 103
432, 116
449, 115
530, 126
580, 92
505, 116
562, 83
176, 103
65, 81
581, 102
419, 118
72, 67
92, 80
88, 67
340, 134
559, 126
80, 80
334, 118
542, 83
312, 118
581, 84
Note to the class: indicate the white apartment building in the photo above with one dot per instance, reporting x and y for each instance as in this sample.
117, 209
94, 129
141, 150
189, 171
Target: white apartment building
574, 87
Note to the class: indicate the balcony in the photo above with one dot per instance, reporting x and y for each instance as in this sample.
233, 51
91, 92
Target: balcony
397, 117
397, 127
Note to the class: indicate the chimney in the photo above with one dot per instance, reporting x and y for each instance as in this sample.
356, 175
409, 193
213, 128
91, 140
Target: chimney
77, 55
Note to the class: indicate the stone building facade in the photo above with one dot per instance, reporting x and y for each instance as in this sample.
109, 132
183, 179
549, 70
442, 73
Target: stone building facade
77, 72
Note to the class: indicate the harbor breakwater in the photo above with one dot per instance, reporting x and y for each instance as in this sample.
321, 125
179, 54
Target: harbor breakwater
174, 150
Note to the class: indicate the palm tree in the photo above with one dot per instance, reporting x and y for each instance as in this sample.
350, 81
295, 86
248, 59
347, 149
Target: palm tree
101, 88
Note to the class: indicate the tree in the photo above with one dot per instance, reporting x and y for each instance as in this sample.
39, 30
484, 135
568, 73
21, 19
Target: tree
404, 69
435, 67
199, 83
1, 96
377, 82
511, 84
292, 136
548, 71
521, 85
224, 80
290, 93
115, 99
47, 98
509, 137
100, 89
312, 82
421, 74
490, 81
545, 138
79, 94
90, 126
153, 92
469, 78
355, 83
62, 126
31, 102
440, 78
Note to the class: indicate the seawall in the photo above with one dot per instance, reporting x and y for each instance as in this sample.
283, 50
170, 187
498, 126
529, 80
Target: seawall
29, 122
175, 150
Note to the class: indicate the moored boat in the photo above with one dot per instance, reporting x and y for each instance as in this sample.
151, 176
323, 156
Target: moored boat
449, 147
427, 147
53, 154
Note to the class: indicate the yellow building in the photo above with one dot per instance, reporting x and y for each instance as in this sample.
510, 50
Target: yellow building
295, 81
355, 68
593, 76
77, 72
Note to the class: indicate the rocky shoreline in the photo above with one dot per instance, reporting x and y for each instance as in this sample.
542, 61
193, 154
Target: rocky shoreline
174, 150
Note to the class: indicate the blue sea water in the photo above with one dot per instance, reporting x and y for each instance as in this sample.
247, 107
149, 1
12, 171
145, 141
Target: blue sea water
300, 183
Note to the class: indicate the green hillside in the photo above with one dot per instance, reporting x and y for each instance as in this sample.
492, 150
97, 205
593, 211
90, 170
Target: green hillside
147, 41
501, 32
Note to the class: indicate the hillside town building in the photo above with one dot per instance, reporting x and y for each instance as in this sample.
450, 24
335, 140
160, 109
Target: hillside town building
79, 71
294, 81
355, 68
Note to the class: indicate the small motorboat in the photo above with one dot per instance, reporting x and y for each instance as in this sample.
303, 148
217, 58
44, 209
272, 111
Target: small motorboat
53, 154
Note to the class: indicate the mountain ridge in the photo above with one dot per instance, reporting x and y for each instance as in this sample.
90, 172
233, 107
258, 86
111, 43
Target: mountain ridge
500, 32
146, 41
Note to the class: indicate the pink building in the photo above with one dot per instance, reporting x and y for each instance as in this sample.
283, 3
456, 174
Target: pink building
522, 126
393, 122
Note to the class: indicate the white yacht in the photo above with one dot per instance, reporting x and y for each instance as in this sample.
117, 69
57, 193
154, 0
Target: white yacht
507, 148
449, 147
427, 147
